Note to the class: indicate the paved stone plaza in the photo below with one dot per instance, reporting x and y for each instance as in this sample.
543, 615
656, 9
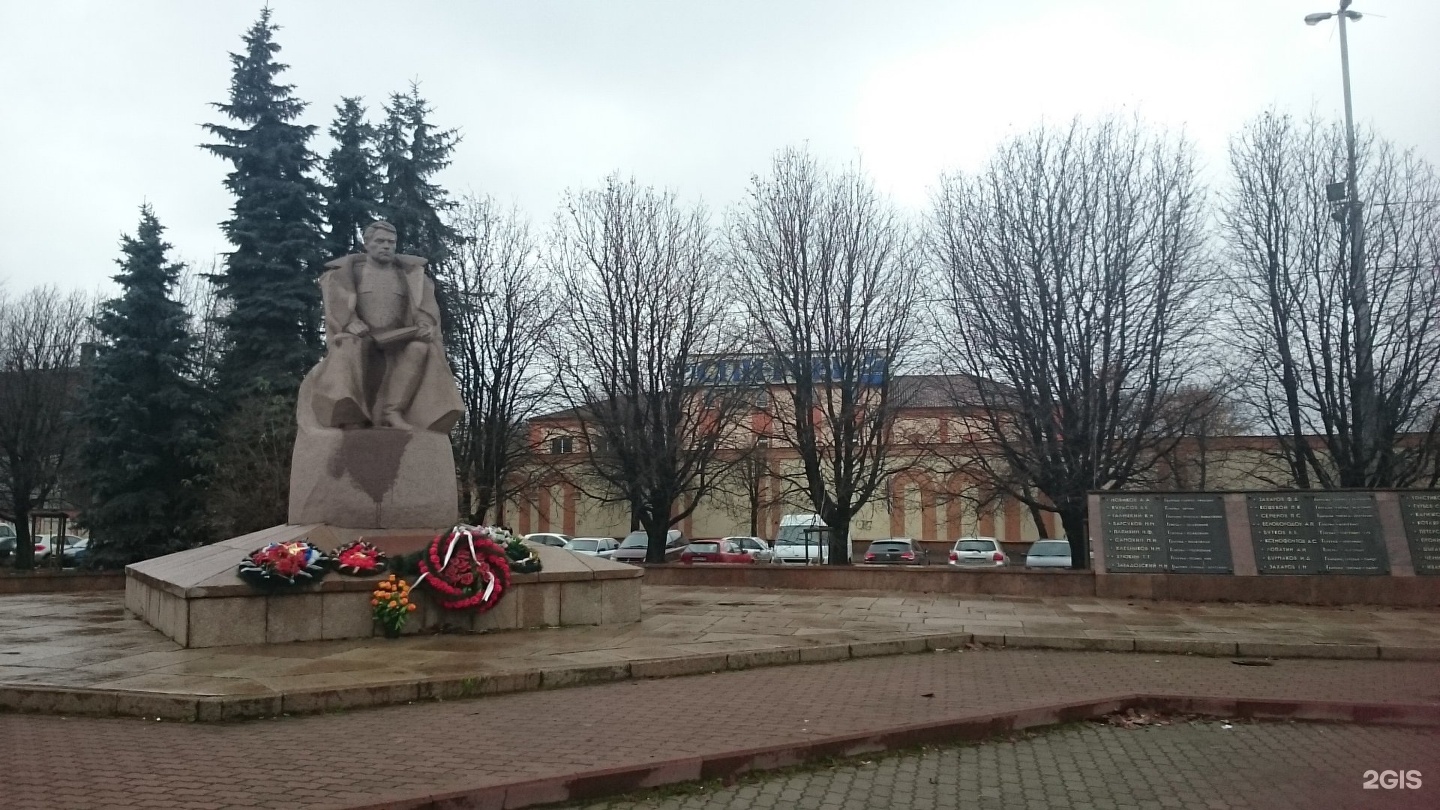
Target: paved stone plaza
1198, 765
87, 641
539, 744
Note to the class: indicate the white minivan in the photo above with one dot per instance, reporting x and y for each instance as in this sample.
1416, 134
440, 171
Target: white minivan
801, 541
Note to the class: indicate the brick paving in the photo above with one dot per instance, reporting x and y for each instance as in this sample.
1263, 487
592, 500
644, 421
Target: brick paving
402, 754
1199, 765
87, 641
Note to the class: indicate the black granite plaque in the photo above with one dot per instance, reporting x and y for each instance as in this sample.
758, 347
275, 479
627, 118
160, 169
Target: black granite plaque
1134, 536
1348, 528
1316, 533
1282, 528
1197, 538
1421, 511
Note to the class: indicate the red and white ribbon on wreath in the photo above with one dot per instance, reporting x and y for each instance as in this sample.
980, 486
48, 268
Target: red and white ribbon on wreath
487, 563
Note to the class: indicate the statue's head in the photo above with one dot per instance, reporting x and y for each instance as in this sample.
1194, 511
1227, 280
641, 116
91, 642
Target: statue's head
380, 241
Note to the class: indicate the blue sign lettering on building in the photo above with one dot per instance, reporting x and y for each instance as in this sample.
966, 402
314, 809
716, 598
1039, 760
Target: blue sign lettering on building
870, 369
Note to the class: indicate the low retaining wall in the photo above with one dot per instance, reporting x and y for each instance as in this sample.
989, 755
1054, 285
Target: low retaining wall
18, 582
1299, 590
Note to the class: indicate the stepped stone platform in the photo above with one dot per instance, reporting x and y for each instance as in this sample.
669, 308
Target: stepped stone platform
196, 598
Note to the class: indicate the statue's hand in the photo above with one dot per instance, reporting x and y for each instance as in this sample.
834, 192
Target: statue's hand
358, 328
424, 332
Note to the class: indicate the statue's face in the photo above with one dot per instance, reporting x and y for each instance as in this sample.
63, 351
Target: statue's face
380, 246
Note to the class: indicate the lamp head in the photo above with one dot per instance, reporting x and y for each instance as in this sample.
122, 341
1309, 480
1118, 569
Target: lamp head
1318, 17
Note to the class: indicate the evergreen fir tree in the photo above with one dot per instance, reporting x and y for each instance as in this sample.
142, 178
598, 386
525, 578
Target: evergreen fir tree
147, 418
352, 175
412, 152
269, 280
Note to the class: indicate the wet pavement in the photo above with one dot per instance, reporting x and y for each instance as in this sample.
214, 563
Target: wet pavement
88, 641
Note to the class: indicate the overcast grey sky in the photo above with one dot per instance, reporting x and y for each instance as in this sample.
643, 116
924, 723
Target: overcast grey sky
104, 100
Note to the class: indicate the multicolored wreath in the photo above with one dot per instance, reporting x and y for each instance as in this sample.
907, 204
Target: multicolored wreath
466, 569
285, 564
359, 559
522, 558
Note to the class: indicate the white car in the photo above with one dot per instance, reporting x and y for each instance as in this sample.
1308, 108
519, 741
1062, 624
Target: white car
547, 539
978, 552
593, 546
757, 548
1048, 554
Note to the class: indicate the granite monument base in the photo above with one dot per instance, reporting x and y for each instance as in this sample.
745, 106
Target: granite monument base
196, 598
375, 478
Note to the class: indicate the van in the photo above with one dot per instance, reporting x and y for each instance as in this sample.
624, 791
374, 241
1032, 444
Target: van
803, 540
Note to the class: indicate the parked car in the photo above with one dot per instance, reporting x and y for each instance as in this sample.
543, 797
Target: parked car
7, 542
801, 541
547, 539
593, 546
1048, 554
757, 548
974, 552
632, 548
724, 550
897, 551
74, 549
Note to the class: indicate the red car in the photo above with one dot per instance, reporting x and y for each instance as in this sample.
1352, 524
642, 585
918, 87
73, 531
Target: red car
715, 551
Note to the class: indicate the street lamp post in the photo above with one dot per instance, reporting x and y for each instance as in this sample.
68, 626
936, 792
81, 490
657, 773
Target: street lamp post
1363, 401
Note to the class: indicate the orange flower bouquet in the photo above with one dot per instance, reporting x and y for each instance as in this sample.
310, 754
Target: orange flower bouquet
390, 602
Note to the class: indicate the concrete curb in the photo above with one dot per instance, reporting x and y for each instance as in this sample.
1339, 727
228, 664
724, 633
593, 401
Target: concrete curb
596, 784
203, 708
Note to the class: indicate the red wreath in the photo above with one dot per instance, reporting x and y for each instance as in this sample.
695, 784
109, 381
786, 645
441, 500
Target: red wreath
466, 569
359, 559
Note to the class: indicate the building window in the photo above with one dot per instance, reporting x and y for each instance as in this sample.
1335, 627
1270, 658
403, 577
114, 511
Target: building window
762, 399
562, 445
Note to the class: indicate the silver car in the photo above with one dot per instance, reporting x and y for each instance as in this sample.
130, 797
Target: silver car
977, 552
759, 549
632, 549
1048, 554
593, 546
547, 539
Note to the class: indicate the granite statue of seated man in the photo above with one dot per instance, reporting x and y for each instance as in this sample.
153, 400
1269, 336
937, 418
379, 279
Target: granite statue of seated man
384, 365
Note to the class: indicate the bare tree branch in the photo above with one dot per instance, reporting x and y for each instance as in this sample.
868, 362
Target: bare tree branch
827, 272
42, 337
504, 309
638, 274
1070, 268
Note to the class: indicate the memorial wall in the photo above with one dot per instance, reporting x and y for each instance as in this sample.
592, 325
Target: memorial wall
1353, 533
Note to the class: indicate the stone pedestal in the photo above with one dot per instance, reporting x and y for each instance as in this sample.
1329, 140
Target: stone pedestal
374, 478
196, 598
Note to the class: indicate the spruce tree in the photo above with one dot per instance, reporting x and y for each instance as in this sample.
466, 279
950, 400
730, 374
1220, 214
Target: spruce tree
352, 179
147, 418
412, 152
273, 323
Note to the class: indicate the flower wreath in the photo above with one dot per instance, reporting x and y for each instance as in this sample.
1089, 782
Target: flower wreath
466, 569
359, 559
521, 557
285, 564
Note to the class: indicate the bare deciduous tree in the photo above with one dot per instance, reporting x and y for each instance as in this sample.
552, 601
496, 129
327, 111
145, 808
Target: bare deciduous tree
200, 296
250, 485
1070, 267
826, 270
504, 309
1296, 302
638, 274
42, 337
